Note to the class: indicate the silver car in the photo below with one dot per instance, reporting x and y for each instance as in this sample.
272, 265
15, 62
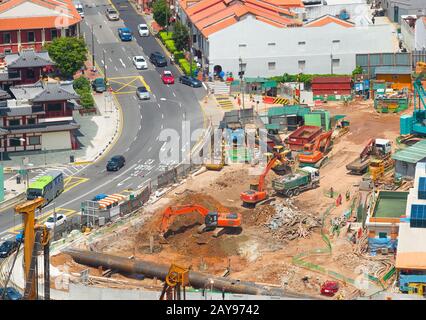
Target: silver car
112, 15
143, 93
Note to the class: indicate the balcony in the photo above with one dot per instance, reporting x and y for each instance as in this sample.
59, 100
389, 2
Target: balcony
56, 114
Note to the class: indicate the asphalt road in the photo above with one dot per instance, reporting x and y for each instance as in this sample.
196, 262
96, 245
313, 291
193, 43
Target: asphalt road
142, 120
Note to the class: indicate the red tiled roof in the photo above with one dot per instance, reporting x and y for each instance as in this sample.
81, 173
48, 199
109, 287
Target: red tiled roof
211, 16
324, 20
69, 15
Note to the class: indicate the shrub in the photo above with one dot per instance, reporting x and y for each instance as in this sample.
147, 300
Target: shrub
178, 55
81, 83
186, 68
164, 36
86, 99
170, 45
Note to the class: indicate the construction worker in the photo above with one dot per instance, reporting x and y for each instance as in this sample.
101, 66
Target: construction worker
348, 195
331, 192
339, 200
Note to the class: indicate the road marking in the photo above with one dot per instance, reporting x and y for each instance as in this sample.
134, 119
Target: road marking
110, 59
162, 126
102, 62
134, 97
204, 85
149, 149
106, 67
116, 69
72, 182
174, 94
122, 62
162, 116
130, 58
140, 127
154, 96
127, 149
158, 105
122, 182
134, 139
141, 116
124, 49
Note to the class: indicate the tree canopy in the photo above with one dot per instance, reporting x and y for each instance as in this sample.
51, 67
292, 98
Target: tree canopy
180, 36
161, 12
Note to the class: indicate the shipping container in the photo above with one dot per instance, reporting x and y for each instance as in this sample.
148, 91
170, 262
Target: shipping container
302, 136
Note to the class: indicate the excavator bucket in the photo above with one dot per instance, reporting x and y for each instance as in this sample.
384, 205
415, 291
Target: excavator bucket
162, 239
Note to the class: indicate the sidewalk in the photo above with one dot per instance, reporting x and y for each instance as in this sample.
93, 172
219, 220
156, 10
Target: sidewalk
13, 192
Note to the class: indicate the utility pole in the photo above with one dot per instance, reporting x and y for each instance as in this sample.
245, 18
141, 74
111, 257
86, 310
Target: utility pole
93, 49
105, 75
190, 49
241, 74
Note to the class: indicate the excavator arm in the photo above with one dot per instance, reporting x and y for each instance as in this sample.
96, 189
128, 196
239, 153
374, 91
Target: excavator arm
179, 210
367, 149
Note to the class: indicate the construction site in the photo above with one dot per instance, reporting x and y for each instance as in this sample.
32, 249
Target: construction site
311, 224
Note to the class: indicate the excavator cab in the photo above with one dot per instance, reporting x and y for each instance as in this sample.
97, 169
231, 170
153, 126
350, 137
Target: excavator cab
211, 220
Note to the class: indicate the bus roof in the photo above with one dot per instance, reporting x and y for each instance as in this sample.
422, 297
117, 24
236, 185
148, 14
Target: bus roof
41, 182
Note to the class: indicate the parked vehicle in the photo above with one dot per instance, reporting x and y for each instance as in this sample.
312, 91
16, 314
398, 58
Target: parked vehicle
79, 8
51, 222
48, 186
11, 294
329, 288
99, 197
125, 34
139, 62
112, 14
190, 81
116, 163
143, 93
168, 77
7, 248
158, 59
143, 30
20, 236
99, 85
292, 184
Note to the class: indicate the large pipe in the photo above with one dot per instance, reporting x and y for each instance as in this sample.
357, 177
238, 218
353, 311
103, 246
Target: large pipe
160, 271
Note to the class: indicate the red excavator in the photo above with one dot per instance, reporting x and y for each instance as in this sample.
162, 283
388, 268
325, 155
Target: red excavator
257, 192
212, 219
313, 153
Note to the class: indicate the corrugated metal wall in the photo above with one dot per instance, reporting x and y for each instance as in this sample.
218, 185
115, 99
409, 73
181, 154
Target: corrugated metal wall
369, 62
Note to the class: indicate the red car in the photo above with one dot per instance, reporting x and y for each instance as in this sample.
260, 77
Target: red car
168, 77
329, 288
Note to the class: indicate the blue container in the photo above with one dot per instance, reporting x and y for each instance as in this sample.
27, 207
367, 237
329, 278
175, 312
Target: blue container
418, 216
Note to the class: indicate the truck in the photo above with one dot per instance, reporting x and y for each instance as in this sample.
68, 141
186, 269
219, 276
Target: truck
358, 166
302, 136
292, 184
48, 186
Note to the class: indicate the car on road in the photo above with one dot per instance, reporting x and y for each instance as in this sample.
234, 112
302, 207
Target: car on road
99, 85
168, 77
139, 62
7, 248
116, 163
143, 30
60, 220
158, 59
79, 8
11, 294
143, 93
190, 81
125, 34
112, 14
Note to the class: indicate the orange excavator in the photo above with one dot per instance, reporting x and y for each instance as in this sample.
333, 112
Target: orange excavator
257, 192
313, 153
212, 219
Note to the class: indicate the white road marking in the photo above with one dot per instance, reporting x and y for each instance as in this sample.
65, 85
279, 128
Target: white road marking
116, 69
140, 127
102, 62
162, 126
106, 67
134, 97
134, 139
127, 149
141, 116
130, 58
122, 62
149, 149
162, 116
154, 96
204, 85
174, 94
158, 105
122, 182
180, 105
124, 49
110, 59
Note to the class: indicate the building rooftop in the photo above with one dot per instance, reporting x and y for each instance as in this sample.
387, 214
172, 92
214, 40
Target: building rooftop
412, 154
327, 19
390, 204
45, 91
37, 14
27, 59
411, 252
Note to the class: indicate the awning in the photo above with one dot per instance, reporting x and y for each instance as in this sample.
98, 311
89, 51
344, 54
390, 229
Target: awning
269, 84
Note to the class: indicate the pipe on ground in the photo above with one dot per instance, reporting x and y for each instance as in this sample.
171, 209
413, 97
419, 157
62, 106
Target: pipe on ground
160, 271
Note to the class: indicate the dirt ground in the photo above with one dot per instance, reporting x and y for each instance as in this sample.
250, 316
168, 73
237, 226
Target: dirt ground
253, 254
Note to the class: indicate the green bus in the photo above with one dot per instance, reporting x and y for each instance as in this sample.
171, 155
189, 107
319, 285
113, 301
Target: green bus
48, 186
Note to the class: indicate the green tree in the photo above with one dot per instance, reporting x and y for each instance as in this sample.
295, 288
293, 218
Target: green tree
81, 83
86, 99
69, 54
161, 12
357, 70
180, 36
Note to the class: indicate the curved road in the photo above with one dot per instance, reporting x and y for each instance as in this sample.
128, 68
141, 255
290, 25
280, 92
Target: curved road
142, 120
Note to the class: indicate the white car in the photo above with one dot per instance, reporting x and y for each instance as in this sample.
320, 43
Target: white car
139, 62
143, 30
60, 219
80, 10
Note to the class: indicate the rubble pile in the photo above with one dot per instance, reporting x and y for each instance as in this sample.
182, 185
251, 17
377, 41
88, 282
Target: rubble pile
288, 223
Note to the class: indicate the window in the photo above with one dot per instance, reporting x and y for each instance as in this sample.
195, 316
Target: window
302, 43
336, 41
301, 64
31, 36
30, 73
271, 65
54, 33
15, 142
242, 45
336, 62
194, 38
6, 38
271, 44
14, 122
54, 107
31, 121
7, 51
243, 66
383, 235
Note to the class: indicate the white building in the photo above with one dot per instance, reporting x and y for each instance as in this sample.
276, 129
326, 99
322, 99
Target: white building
272, 42
413, 30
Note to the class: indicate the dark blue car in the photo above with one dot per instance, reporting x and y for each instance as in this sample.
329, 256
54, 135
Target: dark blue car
125, 34
11, 294
190, 81
7, 248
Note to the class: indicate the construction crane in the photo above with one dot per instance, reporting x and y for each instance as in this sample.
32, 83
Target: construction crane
34, 237
213, 220
257, 192
312, 154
